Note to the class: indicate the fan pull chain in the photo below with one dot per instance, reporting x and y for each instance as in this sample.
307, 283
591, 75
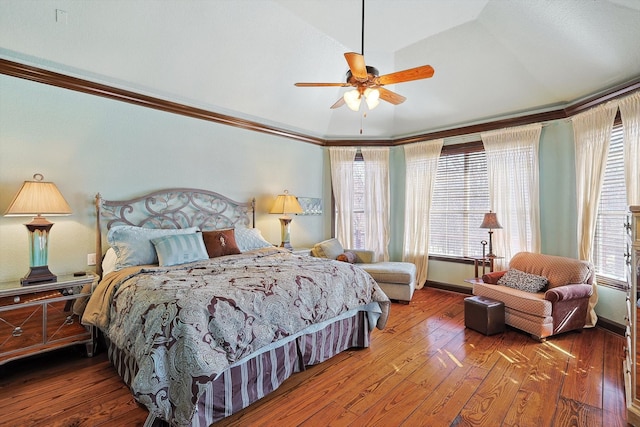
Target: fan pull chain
364, 116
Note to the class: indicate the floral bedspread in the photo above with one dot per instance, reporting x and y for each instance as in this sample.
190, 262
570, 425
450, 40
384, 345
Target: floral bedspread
186, 324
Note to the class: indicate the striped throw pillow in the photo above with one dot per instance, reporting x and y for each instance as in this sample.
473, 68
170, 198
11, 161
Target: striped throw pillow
180, 249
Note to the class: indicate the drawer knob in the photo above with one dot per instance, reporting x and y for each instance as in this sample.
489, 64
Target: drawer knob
16, 299
17, 331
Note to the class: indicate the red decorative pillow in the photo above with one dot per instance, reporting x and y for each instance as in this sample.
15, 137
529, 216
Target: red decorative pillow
347, 256
220, 242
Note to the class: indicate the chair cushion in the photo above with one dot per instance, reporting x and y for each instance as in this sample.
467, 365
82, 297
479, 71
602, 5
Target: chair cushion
526, 302
558, 270
391, 272
330, 249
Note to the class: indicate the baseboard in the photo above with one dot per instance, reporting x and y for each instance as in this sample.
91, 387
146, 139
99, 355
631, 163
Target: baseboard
611, 326
448, 287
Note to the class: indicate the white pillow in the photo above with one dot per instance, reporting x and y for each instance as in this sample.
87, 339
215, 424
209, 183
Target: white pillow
109, 262
249, 239
133, 244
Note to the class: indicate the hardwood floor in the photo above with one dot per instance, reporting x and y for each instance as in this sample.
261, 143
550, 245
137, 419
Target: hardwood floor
424, 369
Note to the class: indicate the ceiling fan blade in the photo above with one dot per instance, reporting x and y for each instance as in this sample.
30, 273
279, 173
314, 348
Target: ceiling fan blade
356, 65
423, 72
321, 84
339, 103
390, 96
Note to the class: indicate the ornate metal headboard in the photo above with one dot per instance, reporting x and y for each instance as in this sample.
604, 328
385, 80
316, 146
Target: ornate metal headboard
172, 208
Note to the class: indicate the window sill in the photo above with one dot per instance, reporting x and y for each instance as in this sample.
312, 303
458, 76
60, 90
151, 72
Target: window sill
453, 259
608, 282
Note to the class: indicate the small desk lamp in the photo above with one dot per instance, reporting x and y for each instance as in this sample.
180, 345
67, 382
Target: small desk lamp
286, 204
37, 198
491, 222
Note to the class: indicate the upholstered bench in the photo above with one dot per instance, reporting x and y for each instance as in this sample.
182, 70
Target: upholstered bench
396, 279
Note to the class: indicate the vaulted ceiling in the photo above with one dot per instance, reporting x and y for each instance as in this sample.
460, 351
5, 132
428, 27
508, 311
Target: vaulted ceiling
493, 59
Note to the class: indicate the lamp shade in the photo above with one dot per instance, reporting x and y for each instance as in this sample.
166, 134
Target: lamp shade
353, 99
490, 221
38, 198
285, 204
372, 98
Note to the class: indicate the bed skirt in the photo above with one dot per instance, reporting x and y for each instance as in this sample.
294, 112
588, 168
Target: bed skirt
254, 377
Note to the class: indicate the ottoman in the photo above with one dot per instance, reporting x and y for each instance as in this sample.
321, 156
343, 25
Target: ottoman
484, 315
397, 279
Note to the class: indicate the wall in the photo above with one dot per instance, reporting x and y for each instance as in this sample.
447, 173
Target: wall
557, 214
87, 144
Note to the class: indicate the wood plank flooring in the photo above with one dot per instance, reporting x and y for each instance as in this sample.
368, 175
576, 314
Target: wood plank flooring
423, 369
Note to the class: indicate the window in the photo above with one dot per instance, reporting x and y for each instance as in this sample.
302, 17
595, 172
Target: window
460, 200
610, 236
359, 218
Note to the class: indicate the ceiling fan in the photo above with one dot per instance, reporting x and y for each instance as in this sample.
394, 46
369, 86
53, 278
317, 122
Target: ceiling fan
368, 83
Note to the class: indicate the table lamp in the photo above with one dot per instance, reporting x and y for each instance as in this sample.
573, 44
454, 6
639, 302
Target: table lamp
37, 198
491, 222
286, 204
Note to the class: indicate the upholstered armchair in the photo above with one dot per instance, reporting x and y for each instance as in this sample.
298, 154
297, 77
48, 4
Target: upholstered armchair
543, 295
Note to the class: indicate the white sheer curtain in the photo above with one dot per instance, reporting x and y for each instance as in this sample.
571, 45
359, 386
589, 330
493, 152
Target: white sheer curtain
376, 201
421, 162
342, 181
630, 112
512, 165
592, 133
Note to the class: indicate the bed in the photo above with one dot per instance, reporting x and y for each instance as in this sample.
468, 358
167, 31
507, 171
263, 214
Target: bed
198, 337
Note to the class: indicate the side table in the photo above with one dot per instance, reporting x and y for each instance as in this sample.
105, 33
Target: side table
484, 261
39, 318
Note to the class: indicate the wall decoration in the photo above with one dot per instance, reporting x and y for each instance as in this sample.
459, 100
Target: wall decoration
310, 205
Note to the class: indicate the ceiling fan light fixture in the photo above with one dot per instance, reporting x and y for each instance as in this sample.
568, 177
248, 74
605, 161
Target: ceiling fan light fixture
372, 97
369, 83
352, 99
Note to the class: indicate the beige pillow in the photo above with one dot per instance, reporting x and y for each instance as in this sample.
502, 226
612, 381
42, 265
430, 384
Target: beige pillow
328, 249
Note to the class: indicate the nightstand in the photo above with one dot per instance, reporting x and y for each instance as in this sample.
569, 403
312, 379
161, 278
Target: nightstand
39, 318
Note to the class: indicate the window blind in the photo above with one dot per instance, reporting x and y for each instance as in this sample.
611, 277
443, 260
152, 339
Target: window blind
460, 200
359, 218
610, 236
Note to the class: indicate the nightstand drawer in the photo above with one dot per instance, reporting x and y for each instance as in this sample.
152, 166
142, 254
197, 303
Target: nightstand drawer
21, 328
28, 298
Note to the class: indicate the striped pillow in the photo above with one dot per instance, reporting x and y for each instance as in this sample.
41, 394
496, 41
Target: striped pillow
133, 246
180, 249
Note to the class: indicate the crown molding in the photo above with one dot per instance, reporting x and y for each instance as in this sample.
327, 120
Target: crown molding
39, 75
